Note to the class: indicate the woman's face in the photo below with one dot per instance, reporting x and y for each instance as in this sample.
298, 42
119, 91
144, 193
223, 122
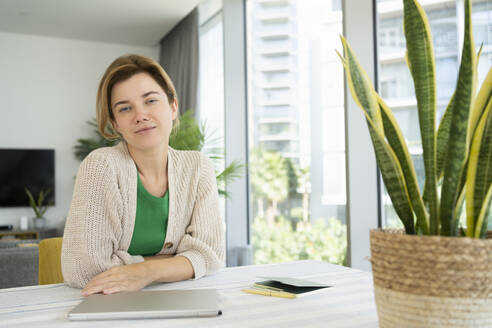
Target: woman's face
143, 115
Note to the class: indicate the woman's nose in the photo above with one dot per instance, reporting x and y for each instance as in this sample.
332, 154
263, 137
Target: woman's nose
140, 114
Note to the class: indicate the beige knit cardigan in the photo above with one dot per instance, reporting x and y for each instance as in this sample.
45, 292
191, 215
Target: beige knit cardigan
100, 223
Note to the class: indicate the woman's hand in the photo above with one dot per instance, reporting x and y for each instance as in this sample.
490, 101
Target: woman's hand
129, 277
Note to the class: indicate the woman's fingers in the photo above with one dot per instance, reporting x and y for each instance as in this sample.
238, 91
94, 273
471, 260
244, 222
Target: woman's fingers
106, 287
125, 278
91, 290
112, 290
98, 283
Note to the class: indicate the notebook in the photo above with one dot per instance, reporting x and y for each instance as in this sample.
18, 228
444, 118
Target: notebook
287, 286
148, 305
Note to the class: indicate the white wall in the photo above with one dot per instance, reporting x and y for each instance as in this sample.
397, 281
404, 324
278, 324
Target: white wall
47, 92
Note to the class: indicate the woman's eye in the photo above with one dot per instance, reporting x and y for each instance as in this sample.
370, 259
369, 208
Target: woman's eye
123, 109
150, 101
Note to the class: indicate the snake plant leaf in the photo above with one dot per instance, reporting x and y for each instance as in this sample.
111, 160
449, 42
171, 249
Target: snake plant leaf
459, 204
459, 133
397, 142
461, 192
443, 138
360, 87
481, 227
478, 61
445, 124
344, 62
479, 177
392, 177
476, 109
479, 52
40, 198
421, 64
32, 202
406, 59
365, 97
481, 100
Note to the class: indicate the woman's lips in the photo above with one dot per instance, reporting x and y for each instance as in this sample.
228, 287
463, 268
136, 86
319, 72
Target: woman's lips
145, 129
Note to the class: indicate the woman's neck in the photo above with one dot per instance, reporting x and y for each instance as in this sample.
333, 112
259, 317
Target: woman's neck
151, 164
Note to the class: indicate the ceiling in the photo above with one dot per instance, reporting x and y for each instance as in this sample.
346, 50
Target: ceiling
134, 22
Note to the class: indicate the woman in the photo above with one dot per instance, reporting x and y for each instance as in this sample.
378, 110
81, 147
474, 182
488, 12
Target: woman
141, 212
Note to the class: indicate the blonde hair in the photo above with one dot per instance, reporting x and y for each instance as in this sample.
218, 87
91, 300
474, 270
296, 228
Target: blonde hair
120, 70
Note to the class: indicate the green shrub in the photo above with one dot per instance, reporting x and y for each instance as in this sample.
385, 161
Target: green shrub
278, 242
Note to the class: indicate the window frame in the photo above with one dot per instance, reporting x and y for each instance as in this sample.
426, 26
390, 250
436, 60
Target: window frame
363, 199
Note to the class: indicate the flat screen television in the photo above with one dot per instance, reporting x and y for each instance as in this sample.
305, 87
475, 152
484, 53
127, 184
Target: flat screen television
21, 168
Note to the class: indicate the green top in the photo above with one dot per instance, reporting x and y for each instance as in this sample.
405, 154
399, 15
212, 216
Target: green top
150, 228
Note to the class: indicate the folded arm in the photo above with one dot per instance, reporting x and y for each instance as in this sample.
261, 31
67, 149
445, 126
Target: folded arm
201, 251
204, 241
91, 241
159, 268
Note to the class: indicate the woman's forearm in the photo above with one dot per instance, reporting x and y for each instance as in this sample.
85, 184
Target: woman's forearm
163, 268
157, 257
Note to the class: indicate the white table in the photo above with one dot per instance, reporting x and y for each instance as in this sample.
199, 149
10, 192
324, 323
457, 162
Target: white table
350, 303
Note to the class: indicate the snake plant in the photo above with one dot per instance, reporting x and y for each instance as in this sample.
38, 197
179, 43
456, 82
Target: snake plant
457, 155
39, 207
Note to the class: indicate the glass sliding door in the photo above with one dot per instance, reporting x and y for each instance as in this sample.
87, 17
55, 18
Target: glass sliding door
210, 113
296, 130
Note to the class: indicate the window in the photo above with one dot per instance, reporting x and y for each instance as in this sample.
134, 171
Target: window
296, 130
444, 22
388, 88
211, 71
211, 82
482, 15
391, 37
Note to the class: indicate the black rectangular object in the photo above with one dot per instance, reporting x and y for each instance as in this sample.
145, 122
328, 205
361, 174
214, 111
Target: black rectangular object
288, 288
21, 168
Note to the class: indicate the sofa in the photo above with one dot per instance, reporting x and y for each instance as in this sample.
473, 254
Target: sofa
18, 263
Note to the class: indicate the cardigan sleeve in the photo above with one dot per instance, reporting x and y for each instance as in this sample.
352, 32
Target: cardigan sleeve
94, 227
204, 243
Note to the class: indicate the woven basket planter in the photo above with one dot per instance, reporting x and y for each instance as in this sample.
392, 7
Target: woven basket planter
431, 281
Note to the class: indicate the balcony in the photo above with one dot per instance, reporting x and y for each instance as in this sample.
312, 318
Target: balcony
280, 18
395, 8
401, 103
392, 57
280, 35
276, 69
276, 86
277, 119
279, 137
273, 3
275, 52
399, 56
276, 103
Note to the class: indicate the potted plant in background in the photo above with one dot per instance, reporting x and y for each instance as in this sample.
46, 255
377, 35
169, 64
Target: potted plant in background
436, 272
38, 207
189, 135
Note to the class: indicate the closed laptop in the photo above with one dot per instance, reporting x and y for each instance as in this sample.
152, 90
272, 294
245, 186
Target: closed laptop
148, 304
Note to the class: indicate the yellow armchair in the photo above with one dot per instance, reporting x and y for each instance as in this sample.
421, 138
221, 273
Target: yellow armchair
50, 261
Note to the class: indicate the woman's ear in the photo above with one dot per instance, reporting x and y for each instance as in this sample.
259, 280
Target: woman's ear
174, 108
115, 126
